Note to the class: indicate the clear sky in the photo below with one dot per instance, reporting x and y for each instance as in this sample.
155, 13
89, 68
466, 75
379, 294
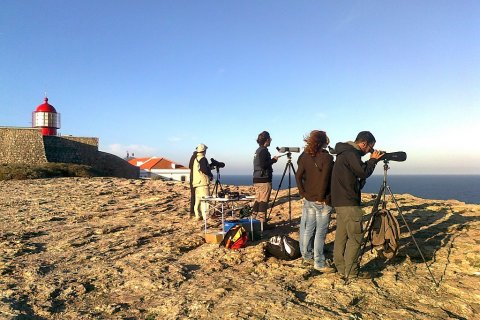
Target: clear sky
157, 78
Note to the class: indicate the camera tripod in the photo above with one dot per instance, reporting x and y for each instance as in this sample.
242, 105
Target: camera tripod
290, 168
217, 184
381, 197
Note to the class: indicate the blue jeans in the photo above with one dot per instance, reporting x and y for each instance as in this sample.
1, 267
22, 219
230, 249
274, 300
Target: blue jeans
313, 230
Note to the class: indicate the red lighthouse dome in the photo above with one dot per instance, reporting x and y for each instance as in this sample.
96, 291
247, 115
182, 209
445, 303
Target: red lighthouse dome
45, 107
46, 118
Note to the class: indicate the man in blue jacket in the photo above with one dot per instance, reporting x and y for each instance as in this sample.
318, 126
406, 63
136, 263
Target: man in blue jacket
348, 177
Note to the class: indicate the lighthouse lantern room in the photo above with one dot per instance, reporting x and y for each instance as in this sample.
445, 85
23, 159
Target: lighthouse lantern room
46, 118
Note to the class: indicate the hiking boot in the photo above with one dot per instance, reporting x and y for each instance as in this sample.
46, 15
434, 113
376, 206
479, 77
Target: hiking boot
198, 218
329, 262
307, 262
325, 269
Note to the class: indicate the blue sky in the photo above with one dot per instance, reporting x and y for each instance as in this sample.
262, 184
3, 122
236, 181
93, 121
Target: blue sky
157, 78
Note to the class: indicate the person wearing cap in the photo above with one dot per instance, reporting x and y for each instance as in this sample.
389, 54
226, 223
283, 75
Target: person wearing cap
201, 177
313, 177
262, 176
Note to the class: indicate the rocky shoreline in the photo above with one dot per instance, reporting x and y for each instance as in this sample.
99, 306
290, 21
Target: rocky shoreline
111, 248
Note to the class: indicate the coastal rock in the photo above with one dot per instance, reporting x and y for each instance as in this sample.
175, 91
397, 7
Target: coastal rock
111, 248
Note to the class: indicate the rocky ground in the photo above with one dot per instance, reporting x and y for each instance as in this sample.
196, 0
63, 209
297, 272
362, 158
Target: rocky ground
107, 248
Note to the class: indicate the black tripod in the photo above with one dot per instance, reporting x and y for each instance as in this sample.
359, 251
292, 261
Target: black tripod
381, 197
217, 184
290, 168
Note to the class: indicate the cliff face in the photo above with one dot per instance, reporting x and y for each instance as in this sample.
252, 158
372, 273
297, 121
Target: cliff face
27, 145
108, 248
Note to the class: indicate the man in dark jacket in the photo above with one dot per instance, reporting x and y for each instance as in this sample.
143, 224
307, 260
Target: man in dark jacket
348, 177
192, 189
262, 176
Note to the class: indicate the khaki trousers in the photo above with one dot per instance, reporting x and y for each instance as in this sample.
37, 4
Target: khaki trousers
262, 197
201, 207
348, 239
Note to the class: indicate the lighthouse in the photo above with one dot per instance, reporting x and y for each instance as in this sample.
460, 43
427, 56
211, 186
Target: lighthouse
46, 118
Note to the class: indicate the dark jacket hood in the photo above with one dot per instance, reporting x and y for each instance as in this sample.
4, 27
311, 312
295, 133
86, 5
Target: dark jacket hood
341, 147
349, 174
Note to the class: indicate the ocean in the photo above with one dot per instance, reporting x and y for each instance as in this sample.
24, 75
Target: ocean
464, 188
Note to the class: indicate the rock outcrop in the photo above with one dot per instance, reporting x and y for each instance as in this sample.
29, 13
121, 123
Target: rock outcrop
110, 248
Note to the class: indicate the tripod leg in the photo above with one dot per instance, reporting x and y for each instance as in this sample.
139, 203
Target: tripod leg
365, 238
289, 195
214, 190
290, 167
276, 194
380, 195
219, 184
411, 235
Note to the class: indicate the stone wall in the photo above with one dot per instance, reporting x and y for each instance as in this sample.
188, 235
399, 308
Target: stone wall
85, 140
27, 145
70, 149
21, 145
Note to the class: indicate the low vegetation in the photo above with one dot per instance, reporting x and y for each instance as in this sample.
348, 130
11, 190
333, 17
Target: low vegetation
47, 170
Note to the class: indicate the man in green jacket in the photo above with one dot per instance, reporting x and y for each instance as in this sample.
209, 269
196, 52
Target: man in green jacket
348, 177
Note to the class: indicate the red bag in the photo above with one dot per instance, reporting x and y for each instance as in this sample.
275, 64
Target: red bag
235, 238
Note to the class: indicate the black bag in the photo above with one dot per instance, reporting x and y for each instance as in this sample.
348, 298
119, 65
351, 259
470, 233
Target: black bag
283, 247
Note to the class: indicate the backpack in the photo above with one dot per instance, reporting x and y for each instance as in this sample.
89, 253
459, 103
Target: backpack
283, 247
235, 238
385, 233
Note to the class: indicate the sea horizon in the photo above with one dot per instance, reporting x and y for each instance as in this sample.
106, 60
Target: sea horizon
461, 187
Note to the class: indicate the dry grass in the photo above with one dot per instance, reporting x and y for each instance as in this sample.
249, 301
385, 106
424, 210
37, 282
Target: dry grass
47, 170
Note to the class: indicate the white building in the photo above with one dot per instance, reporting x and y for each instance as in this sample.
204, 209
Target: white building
161, 167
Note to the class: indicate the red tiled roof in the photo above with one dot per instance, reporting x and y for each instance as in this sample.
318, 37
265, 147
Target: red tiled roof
155, 163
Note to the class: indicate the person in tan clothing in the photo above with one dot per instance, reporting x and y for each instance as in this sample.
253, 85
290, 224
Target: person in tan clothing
201, 177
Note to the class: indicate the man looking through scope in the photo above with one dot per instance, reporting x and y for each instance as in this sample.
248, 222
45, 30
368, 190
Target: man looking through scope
262, 176
348, 178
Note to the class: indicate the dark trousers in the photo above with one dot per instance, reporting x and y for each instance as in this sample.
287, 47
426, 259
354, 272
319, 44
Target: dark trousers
348, 239
192, 200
